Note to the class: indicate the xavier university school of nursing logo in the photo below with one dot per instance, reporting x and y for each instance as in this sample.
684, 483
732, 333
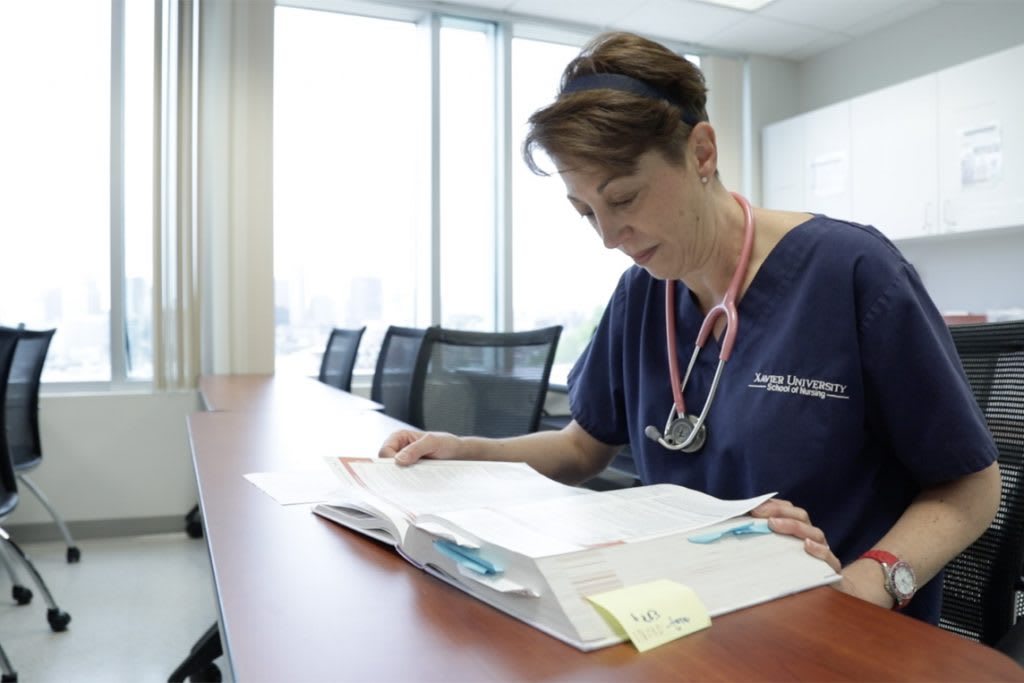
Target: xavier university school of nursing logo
799, 386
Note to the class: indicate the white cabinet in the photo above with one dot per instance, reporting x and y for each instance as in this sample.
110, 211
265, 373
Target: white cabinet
894, 167
827, 161
981, 143
939, 154
806, 162
782, 174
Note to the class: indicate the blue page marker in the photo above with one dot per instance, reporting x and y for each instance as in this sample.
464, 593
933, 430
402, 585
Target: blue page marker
758, 527
467, 557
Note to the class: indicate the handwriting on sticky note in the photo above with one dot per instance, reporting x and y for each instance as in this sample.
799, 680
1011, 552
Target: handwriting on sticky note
653, 613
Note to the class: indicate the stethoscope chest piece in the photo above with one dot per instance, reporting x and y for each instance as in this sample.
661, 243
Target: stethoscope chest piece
685, 432
679, 431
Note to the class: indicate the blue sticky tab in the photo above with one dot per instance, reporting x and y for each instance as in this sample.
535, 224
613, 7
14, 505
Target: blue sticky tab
758, 527
467, 557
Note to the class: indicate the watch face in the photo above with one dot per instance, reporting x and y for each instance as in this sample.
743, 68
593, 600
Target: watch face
903, 579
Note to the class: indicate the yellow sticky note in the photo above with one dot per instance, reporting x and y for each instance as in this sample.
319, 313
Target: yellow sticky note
654, 613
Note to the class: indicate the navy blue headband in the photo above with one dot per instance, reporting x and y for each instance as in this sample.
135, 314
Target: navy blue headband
624, 83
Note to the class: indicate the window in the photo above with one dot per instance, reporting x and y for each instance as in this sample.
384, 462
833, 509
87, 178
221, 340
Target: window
467, 161
356, 208
138, 189
351, 188
561, 273
56, 178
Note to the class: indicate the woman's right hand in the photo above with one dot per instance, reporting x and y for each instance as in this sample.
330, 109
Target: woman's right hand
407, 446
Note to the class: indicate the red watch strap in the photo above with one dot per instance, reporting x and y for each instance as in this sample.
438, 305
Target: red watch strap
888, 561
881, 556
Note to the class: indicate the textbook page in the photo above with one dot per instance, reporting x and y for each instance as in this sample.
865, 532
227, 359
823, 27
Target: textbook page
432, 486
542, 528
361, 511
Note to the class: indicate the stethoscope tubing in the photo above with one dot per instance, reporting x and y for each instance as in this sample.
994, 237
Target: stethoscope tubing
726, 307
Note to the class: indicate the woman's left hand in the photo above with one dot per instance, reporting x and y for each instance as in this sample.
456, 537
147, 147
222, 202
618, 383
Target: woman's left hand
785, 518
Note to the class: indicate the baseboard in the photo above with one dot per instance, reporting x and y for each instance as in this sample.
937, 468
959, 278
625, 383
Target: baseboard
97, 528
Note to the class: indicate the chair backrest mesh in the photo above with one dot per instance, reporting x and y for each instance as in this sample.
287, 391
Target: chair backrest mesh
981, 588
392, 379
8, 484
340, 357
482, 383
21, 406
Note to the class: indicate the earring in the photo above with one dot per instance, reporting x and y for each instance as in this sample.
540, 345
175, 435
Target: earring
704, 179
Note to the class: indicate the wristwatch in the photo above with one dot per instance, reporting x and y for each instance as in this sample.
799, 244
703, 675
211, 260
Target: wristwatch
900, 581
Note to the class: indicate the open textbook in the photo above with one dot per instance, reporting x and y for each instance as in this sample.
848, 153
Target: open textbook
535, 549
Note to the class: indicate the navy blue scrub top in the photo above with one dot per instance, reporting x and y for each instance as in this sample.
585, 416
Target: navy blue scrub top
844, 392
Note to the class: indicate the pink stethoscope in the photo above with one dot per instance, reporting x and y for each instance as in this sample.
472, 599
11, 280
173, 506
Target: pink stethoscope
684, 432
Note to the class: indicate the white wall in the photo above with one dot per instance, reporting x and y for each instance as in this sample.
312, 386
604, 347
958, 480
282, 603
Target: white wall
976, 273
724, 77
773, 97
112, 456
235, 169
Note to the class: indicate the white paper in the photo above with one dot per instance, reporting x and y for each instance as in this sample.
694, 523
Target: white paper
294, 488
981, 154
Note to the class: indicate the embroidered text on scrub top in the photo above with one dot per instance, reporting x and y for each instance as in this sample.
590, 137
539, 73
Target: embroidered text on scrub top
804, 386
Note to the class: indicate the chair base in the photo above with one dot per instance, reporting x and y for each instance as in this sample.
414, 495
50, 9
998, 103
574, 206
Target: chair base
9, 674
194, 523
56, 617
199, 666
74, 555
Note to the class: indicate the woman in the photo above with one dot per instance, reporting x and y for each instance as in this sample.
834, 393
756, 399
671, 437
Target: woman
843, 391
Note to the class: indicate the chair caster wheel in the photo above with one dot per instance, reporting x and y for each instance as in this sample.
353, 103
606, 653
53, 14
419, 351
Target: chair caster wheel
58, 619
9, 678
74, 554
194, 529
21, 595
209, 674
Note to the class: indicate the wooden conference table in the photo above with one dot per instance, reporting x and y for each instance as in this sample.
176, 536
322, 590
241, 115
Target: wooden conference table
303, 599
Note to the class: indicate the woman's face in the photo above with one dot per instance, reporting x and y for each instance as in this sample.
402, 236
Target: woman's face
652, 214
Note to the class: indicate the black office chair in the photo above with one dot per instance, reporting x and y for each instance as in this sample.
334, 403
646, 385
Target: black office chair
22, 412
482, 383
982, 589
57, 618
392, 378
340, 357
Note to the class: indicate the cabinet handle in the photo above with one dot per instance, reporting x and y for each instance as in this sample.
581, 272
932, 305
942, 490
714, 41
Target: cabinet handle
948, 212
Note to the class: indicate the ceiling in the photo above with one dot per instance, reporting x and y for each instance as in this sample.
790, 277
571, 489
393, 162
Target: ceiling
789, 29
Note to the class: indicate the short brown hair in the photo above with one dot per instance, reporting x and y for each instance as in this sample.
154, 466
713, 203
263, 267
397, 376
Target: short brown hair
610, 127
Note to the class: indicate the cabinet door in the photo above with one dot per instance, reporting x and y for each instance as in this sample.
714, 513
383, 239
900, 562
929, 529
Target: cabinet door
827, 160
782, 165
894, 158
981, 143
